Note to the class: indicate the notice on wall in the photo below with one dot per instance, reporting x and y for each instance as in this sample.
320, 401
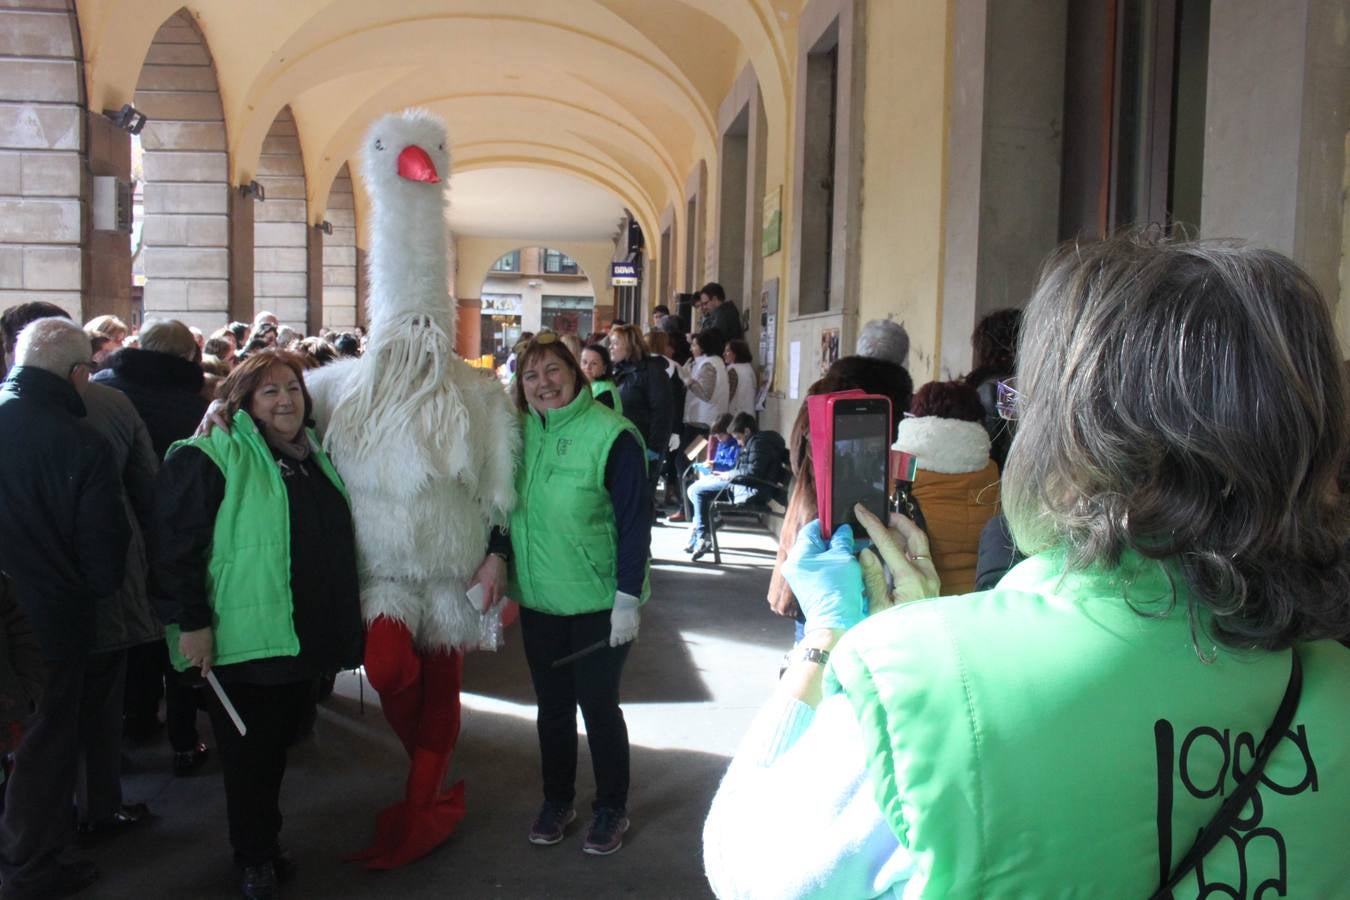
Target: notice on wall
829, 349
794, 369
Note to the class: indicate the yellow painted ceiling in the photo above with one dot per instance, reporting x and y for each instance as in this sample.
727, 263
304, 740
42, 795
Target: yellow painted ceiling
622, 94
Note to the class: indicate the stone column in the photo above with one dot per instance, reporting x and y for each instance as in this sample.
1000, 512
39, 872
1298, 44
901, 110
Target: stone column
186, 237
42, 144
1276, 115
339, 256
281, 226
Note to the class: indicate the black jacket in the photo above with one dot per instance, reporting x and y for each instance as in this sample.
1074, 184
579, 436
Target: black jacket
325, 599
726, 319
165, 389
764, 457
63, 526
648, 399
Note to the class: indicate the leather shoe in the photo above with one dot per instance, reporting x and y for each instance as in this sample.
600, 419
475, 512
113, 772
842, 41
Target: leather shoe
676, 516
186, 762
128, 815
259, 883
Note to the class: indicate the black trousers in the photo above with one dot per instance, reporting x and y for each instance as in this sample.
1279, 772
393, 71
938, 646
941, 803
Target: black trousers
39, 820
98, 791
149, 677
254, 764
592, 683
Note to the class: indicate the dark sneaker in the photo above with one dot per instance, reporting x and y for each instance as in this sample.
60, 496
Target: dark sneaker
551, 822
606, 832
126, 816
260, 882
703, 549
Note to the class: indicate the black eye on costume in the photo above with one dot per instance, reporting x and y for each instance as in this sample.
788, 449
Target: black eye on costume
379, 144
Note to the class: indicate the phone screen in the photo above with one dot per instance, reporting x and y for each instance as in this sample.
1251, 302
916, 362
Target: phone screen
861, 451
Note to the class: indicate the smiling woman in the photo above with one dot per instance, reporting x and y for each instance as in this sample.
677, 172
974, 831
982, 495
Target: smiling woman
580, 540
256, 551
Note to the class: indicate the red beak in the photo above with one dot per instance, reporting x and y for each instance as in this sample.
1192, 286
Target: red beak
415, 165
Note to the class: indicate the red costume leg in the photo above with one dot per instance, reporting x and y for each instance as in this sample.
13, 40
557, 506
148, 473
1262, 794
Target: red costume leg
395, 671
430, 816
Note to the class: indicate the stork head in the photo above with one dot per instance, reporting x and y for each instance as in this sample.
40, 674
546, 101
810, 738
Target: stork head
407, 151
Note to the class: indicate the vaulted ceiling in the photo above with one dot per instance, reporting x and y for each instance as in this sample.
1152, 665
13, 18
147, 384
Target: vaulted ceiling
620, 94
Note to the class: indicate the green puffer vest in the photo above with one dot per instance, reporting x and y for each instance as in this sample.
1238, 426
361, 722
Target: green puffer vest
564, 543
605, 386
248, 578
1043, 739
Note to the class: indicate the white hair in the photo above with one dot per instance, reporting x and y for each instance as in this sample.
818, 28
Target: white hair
884, 339
53, 345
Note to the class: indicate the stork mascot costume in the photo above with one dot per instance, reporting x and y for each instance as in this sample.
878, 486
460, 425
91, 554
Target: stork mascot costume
426, 446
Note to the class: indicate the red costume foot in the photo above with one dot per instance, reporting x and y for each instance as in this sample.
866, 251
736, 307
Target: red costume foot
420, 697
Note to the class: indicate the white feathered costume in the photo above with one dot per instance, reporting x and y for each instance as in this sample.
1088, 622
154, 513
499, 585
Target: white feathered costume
426, 446
425, 443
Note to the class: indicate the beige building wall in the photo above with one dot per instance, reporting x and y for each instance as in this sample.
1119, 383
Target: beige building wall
903, 174
280, 227
476, 256
42, 147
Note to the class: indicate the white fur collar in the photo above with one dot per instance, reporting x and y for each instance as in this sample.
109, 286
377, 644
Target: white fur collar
948, 446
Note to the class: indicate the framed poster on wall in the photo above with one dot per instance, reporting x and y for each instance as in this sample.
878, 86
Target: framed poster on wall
771, 236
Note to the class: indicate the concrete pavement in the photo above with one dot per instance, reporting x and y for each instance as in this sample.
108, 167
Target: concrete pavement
708, 655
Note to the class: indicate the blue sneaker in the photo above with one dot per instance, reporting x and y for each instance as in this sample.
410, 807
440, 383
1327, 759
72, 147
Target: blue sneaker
551, 823
605, 835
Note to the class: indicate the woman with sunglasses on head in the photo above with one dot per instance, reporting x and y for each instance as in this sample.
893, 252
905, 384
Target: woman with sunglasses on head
1163, 676
580, 541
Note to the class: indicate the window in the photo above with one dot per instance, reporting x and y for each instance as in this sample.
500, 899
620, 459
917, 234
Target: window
567, 315
508, 263
559, 263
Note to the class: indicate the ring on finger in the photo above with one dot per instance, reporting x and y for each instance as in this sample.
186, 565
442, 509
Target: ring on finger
915, 557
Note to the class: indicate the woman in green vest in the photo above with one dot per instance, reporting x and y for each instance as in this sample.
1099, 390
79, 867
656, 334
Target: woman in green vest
599, 370
1149, 705
580, 540
256, 562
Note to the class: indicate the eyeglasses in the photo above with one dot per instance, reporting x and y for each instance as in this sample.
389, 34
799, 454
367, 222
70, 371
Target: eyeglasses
1008, 401
542, 338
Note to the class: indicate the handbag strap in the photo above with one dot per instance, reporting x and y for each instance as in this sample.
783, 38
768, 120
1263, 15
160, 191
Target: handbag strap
1233, 805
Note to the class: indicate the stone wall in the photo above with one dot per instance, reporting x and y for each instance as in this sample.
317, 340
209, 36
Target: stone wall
280, 227
339, 255
186, 237
42, 150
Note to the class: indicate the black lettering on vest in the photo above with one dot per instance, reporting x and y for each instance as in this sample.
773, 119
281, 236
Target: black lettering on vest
1192, 763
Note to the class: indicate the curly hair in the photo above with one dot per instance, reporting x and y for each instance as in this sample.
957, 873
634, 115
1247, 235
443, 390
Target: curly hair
1187, 401
948, 400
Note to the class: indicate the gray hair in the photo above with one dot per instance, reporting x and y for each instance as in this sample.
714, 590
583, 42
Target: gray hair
54, 345
1187, 401
884, 339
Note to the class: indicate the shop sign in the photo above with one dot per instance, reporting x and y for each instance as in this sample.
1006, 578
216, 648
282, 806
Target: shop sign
623, 274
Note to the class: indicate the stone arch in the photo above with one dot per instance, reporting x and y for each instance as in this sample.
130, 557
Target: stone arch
281, 233
341, 310
186, 238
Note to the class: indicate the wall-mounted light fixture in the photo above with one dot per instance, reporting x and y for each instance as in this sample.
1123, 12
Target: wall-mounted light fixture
128, 118
325, 226
254, 190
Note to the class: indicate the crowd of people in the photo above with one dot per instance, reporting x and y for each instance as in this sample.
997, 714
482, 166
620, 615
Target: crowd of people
1163, 570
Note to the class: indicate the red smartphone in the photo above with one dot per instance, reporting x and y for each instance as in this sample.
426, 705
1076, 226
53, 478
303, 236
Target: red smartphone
851, 438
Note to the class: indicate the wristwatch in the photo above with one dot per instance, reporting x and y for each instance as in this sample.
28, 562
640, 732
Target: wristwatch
811, 655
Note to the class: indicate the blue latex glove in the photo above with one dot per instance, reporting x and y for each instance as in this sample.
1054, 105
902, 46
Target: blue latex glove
827, 578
